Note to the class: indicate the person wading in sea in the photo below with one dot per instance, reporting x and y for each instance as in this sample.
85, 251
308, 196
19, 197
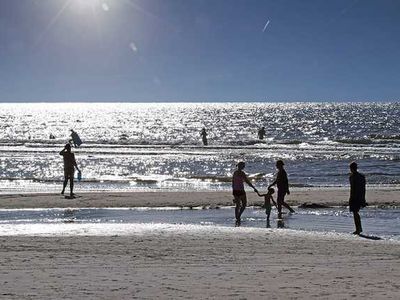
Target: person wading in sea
261, 133
282, 183
239, 194
203, 134
69, 168
357, 195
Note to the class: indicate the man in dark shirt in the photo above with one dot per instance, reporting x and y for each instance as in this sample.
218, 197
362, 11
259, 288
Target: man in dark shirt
282, 183
69, 168
357, 195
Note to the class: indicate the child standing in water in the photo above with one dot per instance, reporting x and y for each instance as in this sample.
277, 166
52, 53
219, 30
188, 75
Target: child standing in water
267, 203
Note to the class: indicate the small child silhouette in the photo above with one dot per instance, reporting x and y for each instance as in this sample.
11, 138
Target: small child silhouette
267, 203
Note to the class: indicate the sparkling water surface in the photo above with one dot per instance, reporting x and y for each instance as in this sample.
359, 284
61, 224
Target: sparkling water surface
157, 146
377, 222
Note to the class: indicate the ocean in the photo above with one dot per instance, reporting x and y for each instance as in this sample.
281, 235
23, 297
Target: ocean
157, 146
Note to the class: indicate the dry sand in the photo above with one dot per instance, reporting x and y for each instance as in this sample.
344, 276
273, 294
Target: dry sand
202, 262
333, 197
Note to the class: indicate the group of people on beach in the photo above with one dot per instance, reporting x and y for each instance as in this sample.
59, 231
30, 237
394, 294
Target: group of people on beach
240, 199
356, 200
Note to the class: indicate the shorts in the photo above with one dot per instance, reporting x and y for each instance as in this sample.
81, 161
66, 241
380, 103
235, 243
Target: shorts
240, 197
69, 173
280, 197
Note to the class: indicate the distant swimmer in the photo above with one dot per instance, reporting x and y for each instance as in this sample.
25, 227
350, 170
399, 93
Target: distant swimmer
51, 137
75, 139
282, 184
239, 194
69, 168
357, 195
261, 133
203, 134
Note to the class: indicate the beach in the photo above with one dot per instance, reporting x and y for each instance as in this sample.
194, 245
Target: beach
323, 196
199, 149
173, 261
200, 262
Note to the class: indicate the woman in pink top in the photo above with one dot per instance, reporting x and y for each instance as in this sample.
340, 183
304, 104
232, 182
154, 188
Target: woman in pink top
239, 194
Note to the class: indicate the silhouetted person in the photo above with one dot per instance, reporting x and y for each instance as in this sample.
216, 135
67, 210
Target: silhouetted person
69, 168
261, 133
282, 184
203, 134
75, 139
239, 194
52, 137
357, 195
267, 203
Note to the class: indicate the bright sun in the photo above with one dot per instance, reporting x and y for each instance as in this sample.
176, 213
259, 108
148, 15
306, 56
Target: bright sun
89, 4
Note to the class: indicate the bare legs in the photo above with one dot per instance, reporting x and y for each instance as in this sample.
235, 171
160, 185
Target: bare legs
241, 202
239, 209
281, 202
357, 222
71, 184
64, 185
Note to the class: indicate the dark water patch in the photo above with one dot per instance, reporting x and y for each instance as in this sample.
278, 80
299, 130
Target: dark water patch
313, 205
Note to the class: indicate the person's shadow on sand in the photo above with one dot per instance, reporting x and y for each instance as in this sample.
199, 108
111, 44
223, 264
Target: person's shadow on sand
370, 237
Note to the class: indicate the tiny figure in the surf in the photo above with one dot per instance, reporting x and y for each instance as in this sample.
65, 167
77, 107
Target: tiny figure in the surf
282, 183
69, 169
267, 203
357, 195
203, 134
261, 133
52, 136
239, 194
75, 139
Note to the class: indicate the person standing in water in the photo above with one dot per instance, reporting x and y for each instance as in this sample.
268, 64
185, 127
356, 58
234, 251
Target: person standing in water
69, 168
239, 194
267, 203
75, 139
203, 134
261, 133
357, 195
282, 184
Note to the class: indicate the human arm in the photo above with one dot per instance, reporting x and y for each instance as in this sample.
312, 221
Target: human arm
272, 184
286, 182
272, 200
352, 189
64, 150
249, 183
74, 163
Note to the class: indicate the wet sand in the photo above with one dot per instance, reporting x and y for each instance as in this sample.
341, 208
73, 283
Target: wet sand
330, 197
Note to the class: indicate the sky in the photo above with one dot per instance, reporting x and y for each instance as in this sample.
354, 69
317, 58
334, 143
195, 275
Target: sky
199, 50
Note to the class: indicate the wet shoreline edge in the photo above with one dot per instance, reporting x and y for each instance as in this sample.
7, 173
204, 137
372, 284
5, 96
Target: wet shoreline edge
379, 197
